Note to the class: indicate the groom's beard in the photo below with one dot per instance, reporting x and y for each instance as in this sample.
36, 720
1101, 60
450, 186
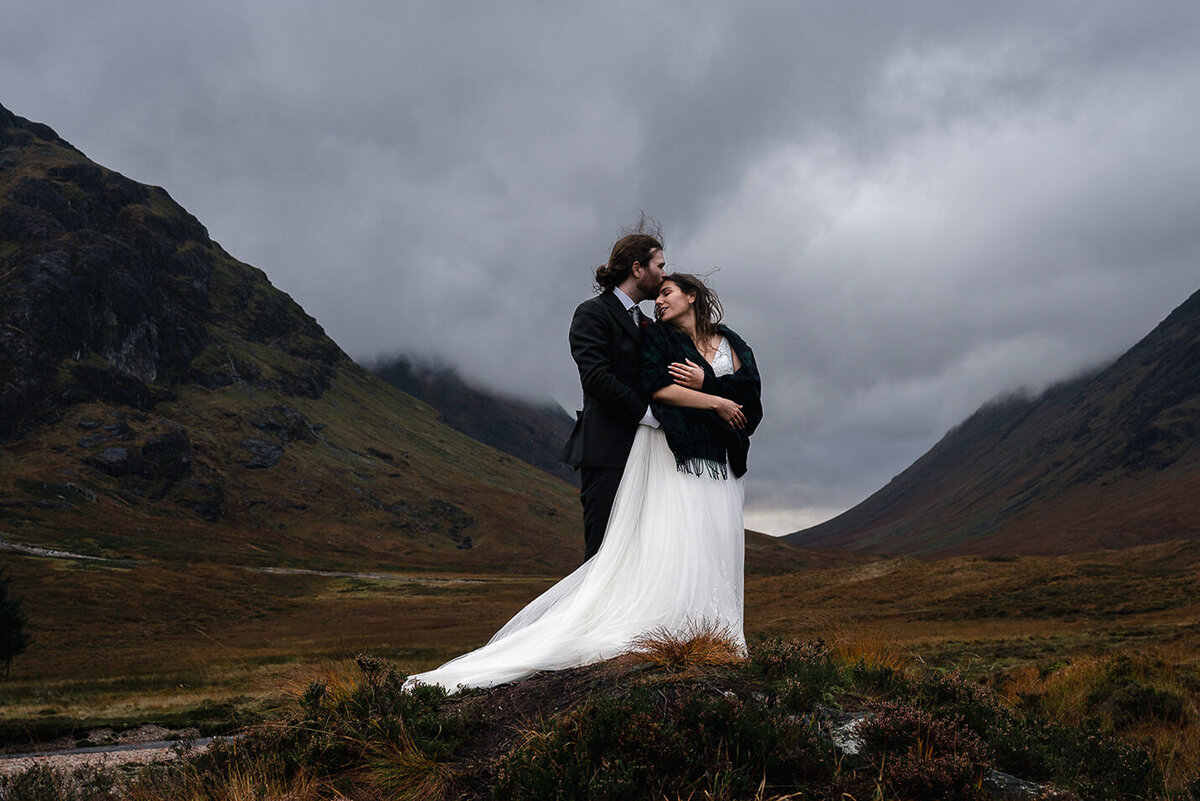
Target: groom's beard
649, 286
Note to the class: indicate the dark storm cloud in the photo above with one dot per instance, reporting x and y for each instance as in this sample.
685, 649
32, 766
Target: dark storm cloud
914, 207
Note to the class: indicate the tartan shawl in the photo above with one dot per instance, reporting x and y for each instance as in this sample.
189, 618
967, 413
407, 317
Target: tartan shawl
701, 441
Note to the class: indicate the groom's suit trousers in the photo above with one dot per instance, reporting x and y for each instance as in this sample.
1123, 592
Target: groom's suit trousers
598, 490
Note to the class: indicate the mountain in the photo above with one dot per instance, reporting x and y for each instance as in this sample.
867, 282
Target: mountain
158, 396
532, 432
1106, 460
161, 400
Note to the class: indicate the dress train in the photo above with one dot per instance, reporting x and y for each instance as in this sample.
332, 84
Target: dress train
672, 559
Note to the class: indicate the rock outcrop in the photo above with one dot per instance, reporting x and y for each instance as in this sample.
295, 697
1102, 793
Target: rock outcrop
110, 291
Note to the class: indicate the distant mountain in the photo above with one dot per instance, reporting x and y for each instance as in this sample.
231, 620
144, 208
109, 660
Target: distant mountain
532, 432
1106, 460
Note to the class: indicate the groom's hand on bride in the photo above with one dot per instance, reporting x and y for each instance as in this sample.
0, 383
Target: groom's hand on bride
729, 411
687, 374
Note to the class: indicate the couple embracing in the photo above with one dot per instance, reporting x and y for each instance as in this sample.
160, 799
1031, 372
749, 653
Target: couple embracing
661, 447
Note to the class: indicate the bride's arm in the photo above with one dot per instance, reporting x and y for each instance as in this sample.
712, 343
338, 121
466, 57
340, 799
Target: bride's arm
727, 410
657, 380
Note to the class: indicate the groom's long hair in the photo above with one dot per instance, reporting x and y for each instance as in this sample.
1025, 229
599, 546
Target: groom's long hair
629, 248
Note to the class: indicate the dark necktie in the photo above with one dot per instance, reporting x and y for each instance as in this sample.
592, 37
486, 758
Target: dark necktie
636, 314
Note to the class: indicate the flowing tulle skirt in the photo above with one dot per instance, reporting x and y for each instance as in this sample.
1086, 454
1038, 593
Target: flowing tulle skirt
672, 559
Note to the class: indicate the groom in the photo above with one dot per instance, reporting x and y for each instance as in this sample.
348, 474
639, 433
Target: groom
606, 343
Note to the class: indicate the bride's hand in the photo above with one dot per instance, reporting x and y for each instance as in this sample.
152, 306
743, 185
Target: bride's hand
729, 411
687, 374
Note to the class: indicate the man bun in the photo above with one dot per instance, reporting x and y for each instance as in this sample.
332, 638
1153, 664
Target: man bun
628, 249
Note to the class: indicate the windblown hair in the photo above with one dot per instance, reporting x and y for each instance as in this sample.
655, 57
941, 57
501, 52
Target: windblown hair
629, 248
707, 306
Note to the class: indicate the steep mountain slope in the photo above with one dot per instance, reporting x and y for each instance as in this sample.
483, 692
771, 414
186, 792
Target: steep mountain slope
532, 432
1105, 460
157, 396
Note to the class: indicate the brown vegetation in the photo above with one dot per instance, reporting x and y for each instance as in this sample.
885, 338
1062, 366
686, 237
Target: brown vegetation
1109, 637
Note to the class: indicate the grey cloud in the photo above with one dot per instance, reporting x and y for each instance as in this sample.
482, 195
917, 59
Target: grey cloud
914, 207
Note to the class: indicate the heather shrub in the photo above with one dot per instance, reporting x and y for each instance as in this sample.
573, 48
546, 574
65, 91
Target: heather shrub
356, 731
923, 755
800, 674
877, 678
337, 715
36, 784
1080, 758
653, 740
776, 659
952, 692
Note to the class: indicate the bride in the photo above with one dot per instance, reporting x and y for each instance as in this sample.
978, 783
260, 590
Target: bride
673, 552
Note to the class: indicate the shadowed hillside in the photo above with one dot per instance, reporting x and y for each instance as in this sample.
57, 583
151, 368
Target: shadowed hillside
531, 432
160, 399
1107, 460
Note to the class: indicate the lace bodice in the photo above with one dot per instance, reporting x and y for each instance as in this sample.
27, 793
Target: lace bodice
722, 363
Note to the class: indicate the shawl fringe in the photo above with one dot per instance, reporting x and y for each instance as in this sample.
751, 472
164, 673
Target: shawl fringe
698, 466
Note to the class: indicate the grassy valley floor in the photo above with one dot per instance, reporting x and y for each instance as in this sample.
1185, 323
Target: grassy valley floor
1107, 640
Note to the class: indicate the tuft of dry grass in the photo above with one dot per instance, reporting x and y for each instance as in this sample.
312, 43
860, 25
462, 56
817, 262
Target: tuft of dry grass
402, 771
869, 645
250, 781
693, 649
338, 679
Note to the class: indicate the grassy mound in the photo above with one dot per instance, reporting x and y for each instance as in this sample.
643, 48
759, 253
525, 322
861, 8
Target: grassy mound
691, 719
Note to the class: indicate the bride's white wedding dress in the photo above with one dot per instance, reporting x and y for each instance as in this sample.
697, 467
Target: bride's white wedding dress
672, 559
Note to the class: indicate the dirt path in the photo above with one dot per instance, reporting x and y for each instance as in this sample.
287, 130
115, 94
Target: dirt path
32, 550
133, 747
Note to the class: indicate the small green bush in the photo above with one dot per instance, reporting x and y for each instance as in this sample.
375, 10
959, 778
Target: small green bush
800, 674
920, 754
1081, 759
1126, 696
675, 740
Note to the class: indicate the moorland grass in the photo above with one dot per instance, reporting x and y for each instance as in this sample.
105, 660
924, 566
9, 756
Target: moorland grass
666, 726
1123, 667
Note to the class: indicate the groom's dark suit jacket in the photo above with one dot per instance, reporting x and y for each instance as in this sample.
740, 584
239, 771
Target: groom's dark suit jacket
606, 346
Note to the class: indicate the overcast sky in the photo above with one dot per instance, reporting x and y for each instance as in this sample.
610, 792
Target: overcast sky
910, 207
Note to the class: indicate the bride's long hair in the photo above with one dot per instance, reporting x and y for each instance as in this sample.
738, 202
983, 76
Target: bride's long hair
707, 306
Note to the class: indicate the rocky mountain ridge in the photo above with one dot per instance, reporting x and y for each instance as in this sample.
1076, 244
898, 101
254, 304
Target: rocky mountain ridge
112, 292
